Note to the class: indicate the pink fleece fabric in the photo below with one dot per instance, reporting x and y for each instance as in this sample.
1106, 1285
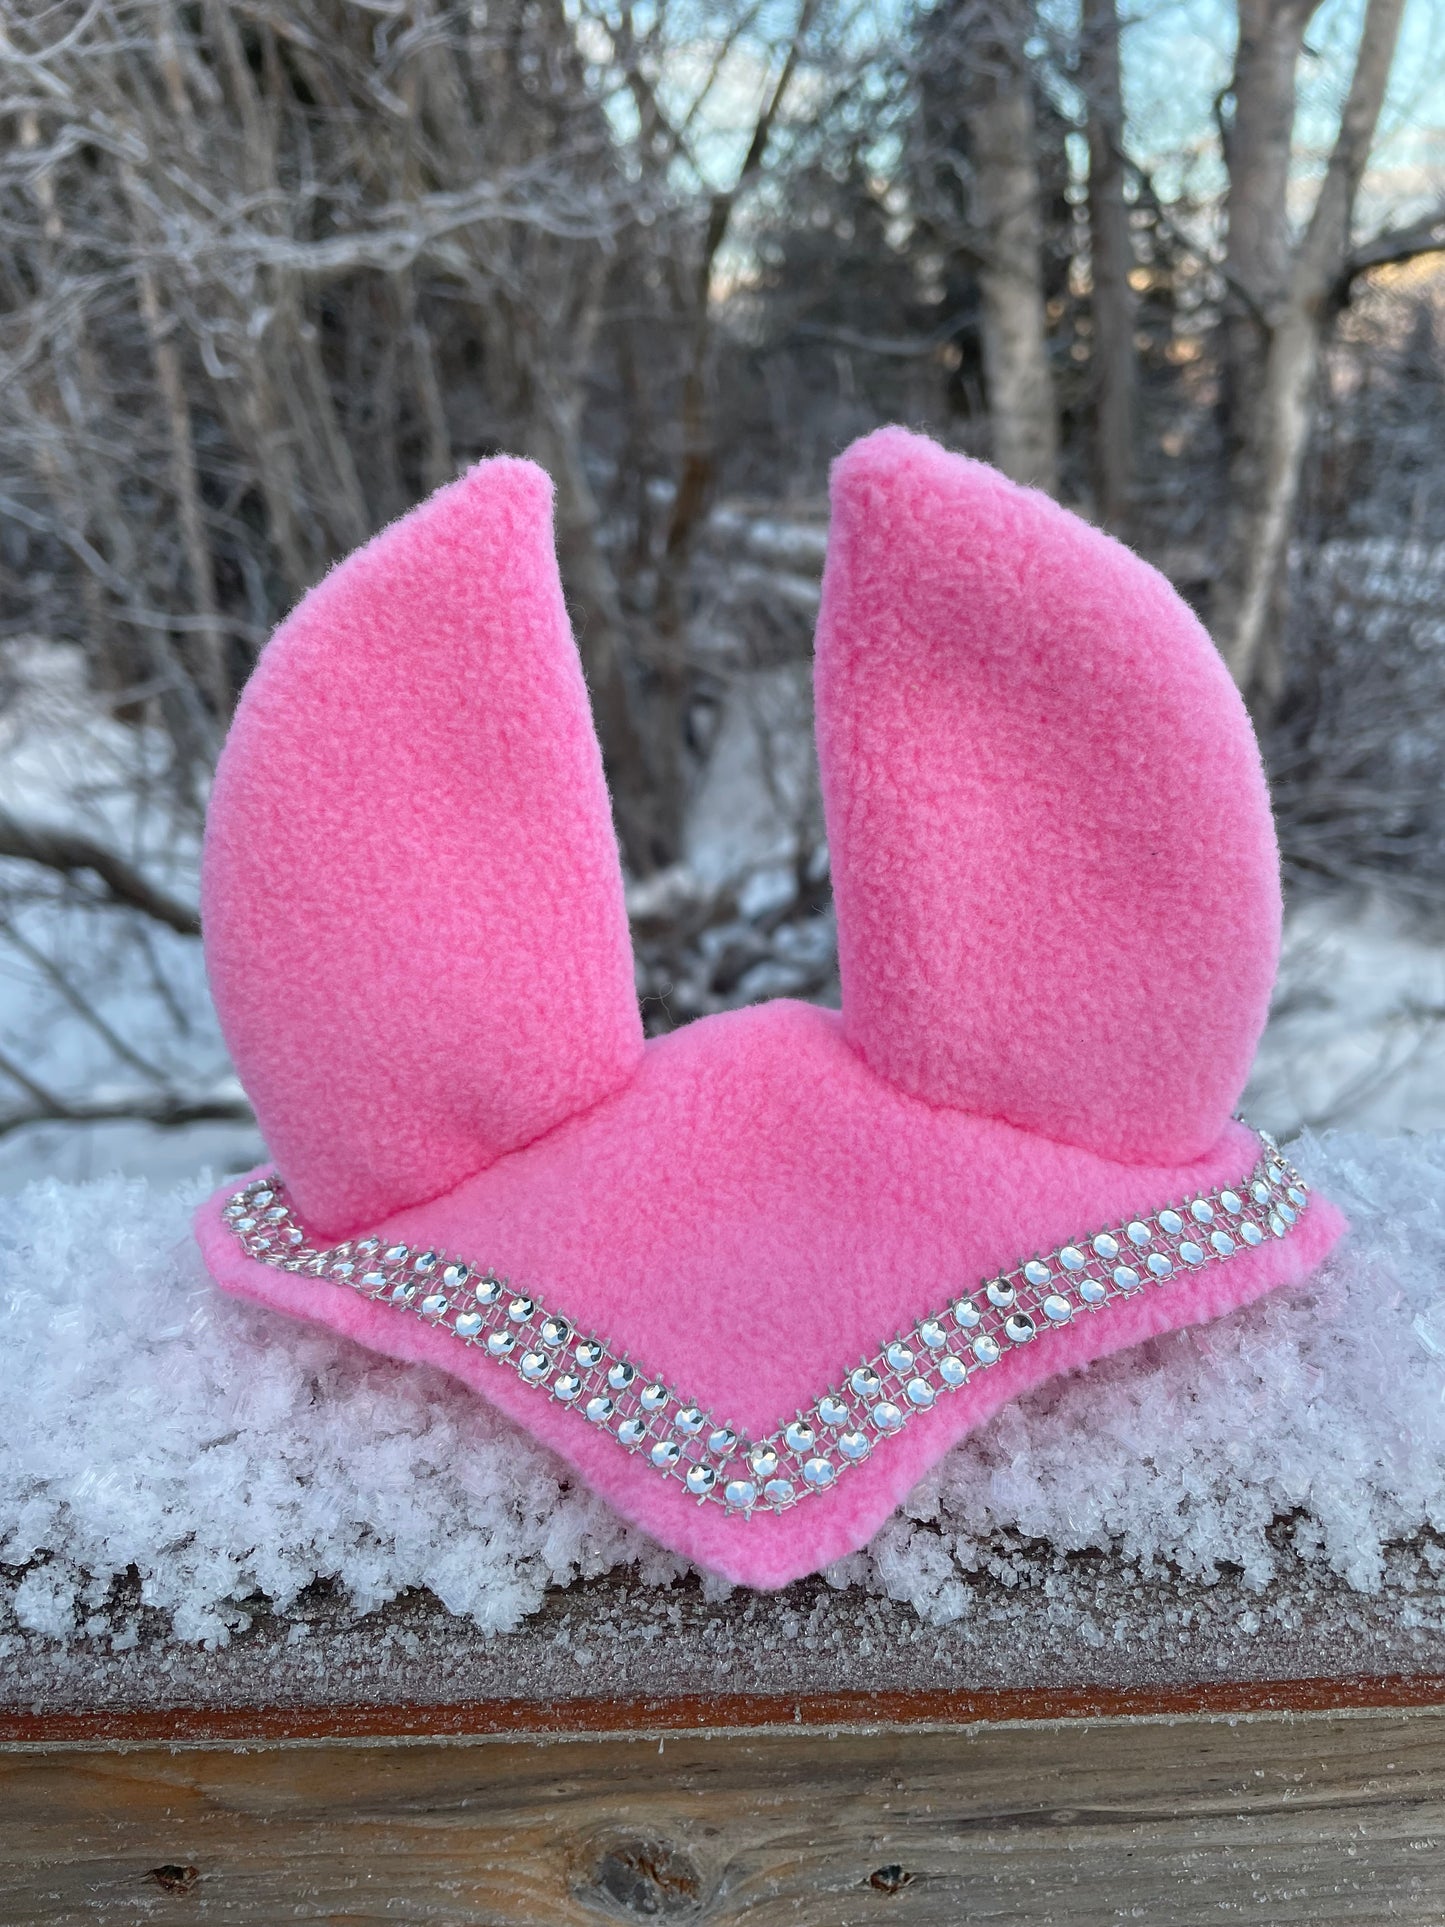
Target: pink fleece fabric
1036, 1042
1053, 855
412, 904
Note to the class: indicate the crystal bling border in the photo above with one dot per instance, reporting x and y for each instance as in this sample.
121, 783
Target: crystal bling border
808, 1455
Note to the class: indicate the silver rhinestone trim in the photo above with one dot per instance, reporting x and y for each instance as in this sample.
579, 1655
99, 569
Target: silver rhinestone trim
878, 1398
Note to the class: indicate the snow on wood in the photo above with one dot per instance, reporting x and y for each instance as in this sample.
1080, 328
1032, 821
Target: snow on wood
220, 1452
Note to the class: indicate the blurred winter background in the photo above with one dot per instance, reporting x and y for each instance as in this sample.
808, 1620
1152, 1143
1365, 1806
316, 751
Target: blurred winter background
270, 270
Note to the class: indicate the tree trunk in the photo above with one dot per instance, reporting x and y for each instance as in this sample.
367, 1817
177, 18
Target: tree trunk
1008, 215
1257, 151
208, 652
1257, 147
1112, 258
697, 471
1274, 352
646, 830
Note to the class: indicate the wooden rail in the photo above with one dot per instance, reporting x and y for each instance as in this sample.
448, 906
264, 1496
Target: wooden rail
818, 1758
1281, 1817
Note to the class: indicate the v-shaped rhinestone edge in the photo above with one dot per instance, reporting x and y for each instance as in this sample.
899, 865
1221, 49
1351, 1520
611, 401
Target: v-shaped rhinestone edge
808, 1455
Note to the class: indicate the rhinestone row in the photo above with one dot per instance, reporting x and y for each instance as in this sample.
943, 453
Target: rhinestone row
713, 1460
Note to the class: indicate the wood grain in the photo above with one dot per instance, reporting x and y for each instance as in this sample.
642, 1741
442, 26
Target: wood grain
1280, 1818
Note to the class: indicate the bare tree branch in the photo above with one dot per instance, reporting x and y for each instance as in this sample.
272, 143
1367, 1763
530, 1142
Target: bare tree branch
168, 1110
1426, 236
84, 1009
1111, 261
71, 852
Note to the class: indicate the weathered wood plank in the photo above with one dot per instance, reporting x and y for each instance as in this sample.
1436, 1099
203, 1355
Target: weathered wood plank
1281, 1818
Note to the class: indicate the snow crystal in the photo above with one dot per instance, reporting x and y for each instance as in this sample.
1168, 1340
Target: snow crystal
221, 1451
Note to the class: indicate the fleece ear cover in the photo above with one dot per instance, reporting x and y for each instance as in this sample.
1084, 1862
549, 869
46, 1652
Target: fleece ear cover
412, 904
1053, 854
1058, 919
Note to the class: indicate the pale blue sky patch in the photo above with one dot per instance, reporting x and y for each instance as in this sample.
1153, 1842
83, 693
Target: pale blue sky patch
713, 66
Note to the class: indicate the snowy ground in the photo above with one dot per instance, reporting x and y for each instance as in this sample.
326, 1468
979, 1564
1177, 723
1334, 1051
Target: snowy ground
222, 1451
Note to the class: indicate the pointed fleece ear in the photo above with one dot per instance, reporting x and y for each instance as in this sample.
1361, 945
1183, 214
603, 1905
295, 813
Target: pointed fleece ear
1054, 862
411, 896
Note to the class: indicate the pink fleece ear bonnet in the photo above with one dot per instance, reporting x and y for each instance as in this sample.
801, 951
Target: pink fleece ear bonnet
753, 1278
